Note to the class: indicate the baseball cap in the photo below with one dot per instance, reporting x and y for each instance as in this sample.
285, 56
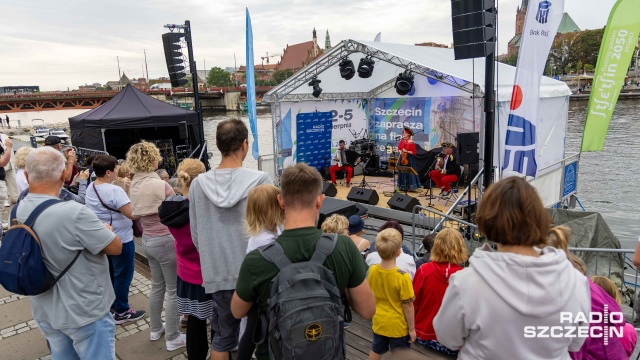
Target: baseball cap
52, 140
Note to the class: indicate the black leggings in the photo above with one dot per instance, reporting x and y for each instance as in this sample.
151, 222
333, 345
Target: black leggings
197, 341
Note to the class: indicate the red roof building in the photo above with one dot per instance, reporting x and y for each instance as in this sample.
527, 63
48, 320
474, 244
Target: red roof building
297, 56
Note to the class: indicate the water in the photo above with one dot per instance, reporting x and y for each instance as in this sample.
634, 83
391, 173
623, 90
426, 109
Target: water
606, 183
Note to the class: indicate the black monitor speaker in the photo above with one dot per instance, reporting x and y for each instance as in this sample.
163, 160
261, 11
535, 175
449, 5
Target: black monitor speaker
332, 206
468, 148
328, 189
362, 195
403, 202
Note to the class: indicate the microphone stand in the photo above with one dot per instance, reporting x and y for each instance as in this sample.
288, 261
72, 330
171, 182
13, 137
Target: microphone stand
430, 196
455, 138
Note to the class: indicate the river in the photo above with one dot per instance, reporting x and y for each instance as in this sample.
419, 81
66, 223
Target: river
606, 182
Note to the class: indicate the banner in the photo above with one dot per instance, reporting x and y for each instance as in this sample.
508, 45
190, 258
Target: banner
251, 90
540, 28
617, 47
313, 134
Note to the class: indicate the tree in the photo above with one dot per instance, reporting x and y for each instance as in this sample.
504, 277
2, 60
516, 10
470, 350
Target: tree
586, 46
561, 54
579, 66
282, 75
510, 60
219, 77
108, 88
588, 67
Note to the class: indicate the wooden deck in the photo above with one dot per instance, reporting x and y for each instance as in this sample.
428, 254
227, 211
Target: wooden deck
359, 336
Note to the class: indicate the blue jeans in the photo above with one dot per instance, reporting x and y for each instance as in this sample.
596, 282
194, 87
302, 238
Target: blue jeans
94, 341
121, 268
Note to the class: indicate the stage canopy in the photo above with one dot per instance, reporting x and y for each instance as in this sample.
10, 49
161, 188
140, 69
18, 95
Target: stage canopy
438, 64
130, 110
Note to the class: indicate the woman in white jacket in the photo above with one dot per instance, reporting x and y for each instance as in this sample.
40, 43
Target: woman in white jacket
505, 303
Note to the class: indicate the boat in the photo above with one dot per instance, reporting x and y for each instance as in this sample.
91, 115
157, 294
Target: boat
59, 132
40, 130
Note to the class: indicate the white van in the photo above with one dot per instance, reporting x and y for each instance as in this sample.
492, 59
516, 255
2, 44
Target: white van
161, 86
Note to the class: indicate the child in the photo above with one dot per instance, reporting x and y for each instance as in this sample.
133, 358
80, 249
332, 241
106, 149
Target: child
431, 282
264, 216
335, 224
393, 322
427, 245
356, 230
629, 335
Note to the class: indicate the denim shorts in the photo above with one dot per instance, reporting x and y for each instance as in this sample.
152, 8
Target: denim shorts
381, 344
224, 326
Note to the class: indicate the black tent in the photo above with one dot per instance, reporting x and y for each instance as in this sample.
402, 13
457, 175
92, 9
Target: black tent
132, 116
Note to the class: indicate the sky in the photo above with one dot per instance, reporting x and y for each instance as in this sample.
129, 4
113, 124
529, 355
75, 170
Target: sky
64, 44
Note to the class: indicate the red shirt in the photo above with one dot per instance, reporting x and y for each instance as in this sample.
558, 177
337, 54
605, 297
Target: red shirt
429, 285
410, 146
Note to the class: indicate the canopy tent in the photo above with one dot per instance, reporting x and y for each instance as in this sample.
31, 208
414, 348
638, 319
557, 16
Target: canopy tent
129, 117
451, 90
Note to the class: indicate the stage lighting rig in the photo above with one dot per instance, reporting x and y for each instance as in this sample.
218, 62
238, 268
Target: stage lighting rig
347, 69
365, 68
315, 84
404, 83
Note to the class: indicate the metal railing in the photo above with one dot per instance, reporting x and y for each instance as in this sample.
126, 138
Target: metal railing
460, 198
554, 175
427, 220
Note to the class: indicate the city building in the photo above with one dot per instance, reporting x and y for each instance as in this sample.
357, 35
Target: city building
297, 56
19, 89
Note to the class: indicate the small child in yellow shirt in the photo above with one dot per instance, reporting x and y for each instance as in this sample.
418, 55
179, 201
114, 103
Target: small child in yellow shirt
393, 322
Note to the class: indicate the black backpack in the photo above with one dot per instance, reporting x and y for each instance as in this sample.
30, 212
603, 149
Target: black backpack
305, 313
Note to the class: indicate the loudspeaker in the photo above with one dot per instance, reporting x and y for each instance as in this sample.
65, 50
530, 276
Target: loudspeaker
329, 189
184, 131
332, 206
468, 152
473, 25
362, 195
327, 175
403, 202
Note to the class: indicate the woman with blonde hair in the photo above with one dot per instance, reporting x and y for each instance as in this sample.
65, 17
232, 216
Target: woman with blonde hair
489, 303
192, 299
19, 162
123, 178
448, 253
264, 216
336, 224
147, 192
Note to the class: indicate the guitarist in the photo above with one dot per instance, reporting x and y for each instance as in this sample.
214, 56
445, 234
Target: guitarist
341, 164
447, 170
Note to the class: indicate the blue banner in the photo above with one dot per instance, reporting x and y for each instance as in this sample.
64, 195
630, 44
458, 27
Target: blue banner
313, 145
570, 179
251, 90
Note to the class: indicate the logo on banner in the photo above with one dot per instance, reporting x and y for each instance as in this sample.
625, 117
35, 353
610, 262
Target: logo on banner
520, 144
543, 12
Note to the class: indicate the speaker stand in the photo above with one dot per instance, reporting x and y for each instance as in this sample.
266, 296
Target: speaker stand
364, 183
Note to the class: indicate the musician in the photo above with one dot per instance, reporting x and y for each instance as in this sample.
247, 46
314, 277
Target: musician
406, 181
447, 170
342, 164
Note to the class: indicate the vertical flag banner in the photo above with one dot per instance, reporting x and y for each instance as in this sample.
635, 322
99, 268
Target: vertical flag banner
540, 28
313, 132
251, 90
617, 47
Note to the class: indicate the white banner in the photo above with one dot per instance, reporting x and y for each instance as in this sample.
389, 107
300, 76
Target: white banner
540, 28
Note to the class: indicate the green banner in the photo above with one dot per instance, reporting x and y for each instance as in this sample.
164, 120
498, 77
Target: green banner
618, 44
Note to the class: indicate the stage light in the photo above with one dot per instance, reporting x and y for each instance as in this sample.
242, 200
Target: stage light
365, 68
315, 83
347, 69
404, 83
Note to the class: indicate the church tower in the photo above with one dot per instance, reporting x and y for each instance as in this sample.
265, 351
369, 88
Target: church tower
327, 42
521, 14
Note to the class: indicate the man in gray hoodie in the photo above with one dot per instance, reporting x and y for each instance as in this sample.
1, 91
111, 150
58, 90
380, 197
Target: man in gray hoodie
217, 206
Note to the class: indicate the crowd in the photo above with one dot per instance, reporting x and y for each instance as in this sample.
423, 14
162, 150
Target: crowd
228, 248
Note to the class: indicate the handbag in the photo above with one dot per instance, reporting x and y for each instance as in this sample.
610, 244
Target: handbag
137, 226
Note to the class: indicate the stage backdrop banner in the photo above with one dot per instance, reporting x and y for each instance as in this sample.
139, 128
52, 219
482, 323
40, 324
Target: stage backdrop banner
313, 134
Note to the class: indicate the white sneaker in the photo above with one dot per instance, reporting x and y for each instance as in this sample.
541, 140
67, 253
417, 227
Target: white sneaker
179, 342
156, 335
7, 203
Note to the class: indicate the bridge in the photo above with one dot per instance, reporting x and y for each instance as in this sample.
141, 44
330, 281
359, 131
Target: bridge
228, 98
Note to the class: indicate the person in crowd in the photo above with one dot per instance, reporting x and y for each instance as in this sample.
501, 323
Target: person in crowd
221, 194
264, 216
490, 302
336, 224
80, 181
19, 162
431, 281
10, 177
73, 315
427, 245
87, 162
447, 170
405, 261
6, 148
148, 191
74, 168
393, 323
163, 174
341, 164
408, 151
601, 303
123, 179
356, 230
193, 301
301, 199
630, 336
70, 155
7, 120
112, 206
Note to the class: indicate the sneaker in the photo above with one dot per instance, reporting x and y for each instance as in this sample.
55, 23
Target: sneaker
346, 325
183, 320
445, 193
177, 343
157, 335
348, 184
129, 315
7, 203
113, 312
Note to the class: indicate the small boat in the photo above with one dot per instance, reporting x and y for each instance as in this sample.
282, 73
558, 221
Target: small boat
60, 133
40, 130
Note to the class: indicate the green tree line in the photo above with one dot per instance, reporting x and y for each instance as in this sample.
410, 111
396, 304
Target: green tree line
219, 78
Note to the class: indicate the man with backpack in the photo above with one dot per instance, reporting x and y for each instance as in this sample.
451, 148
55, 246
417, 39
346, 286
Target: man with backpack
73, 314
304, 287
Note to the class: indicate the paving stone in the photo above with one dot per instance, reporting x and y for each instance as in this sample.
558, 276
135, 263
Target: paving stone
4, 293
138, 346
28, 345
15, 313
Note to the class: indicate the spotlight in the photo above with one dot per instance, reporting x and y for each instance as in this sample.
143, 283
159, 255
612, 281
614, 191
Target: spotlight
365, 68
317, 90
404, 83
347, 69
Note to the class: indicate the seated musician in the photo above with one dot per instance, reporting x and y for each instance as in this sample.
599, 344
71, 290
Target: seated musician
342, 164
447, 170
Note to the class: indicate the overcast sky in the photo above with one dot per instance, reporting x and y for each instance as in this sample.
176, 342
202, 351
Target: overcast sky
60, 44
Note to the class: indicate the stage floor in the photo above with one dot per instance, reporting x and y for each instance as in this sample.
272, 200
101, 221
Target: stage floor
384, 187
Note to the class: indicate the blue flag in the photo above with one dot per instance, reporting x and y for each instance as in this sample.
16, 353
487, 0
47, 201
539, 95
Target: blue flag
251, 90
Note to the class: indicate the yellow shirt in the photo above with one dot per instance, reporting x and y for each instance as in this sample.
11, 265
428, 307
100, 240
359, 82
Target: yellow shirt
392, 288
